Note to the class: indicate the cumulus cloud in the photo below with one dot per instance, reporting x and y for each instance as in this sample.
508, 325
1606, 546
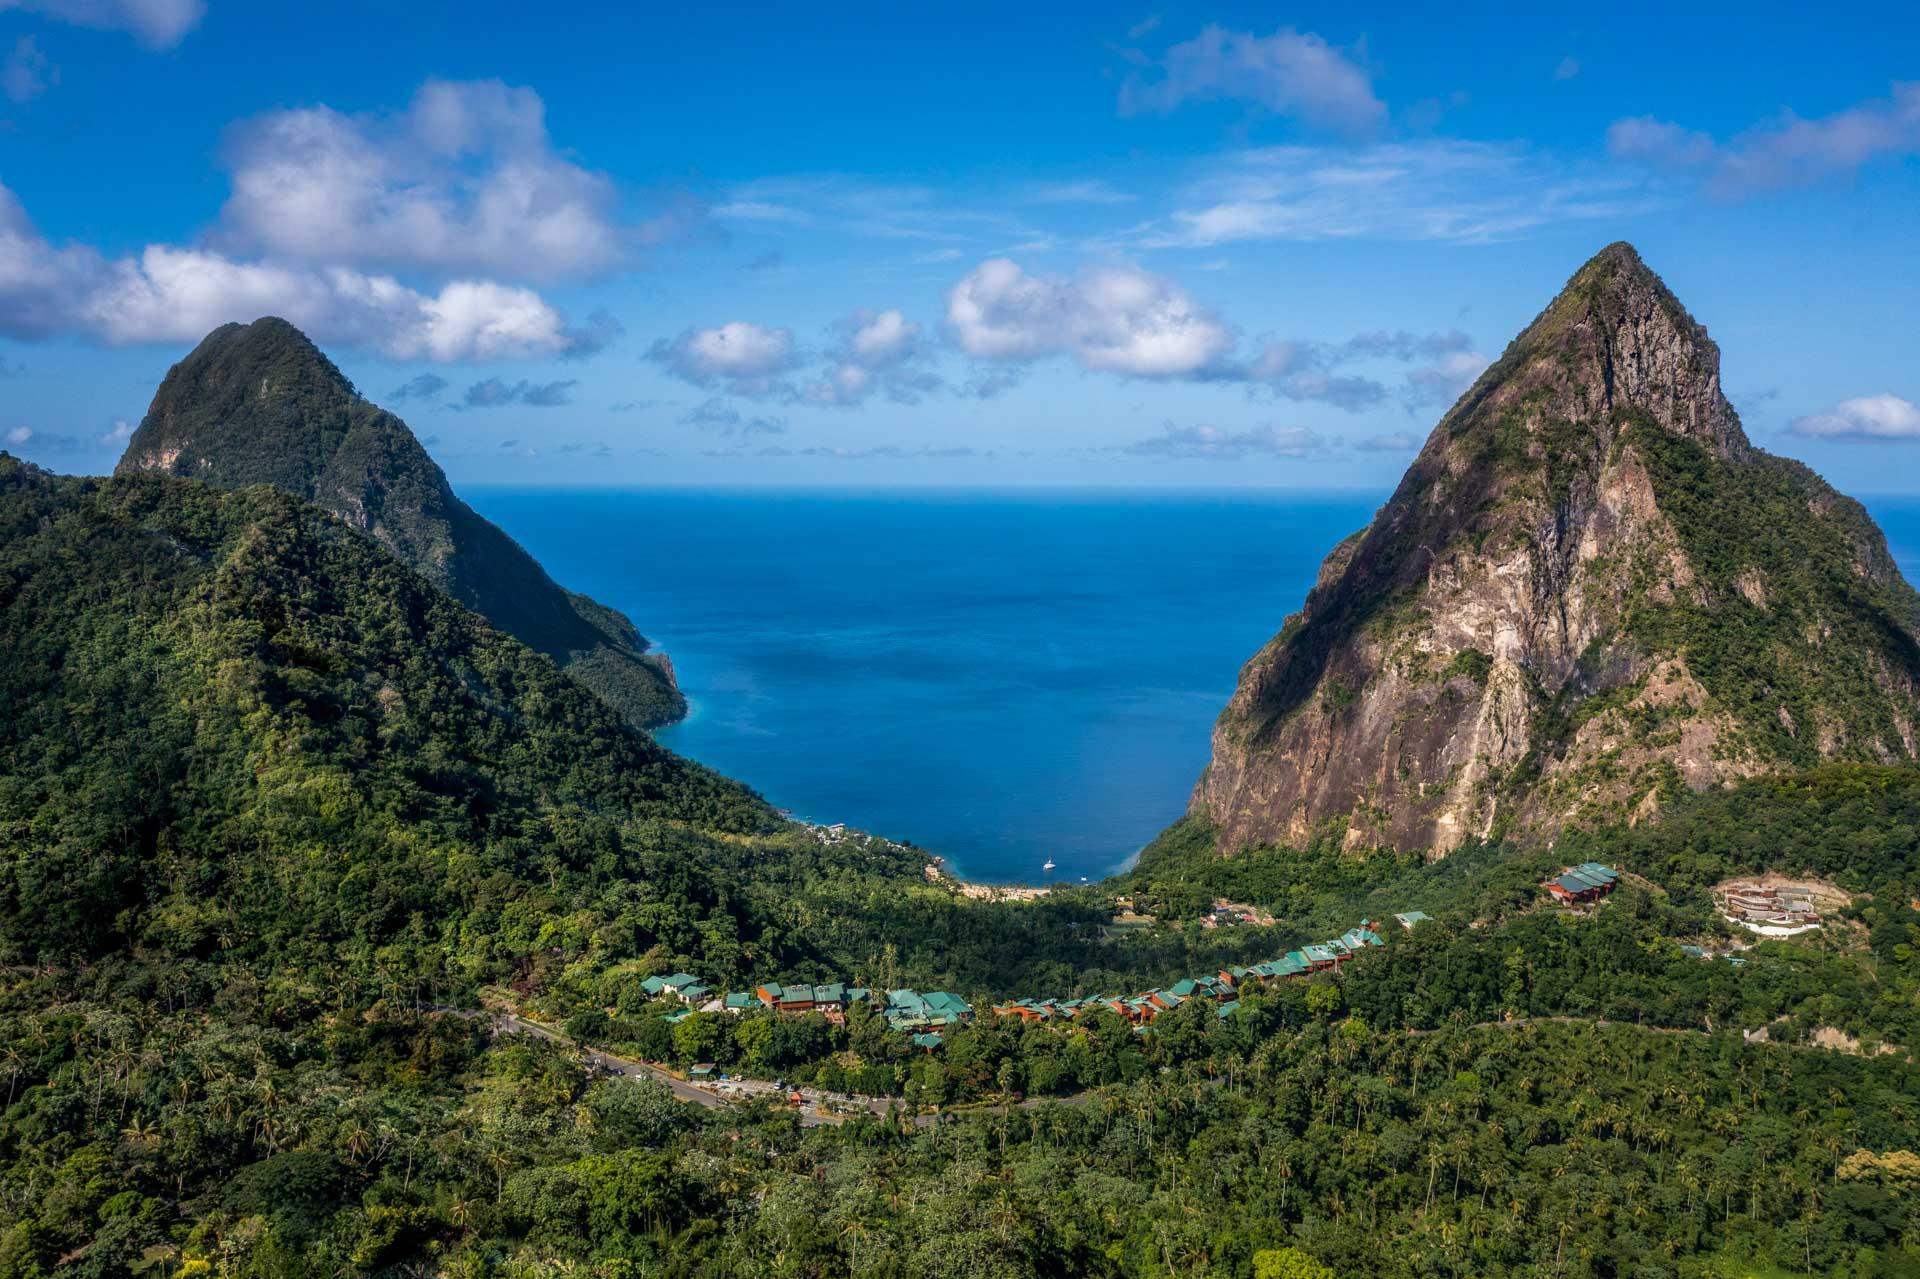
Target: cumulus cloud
1117, 319
1299, 370
1787, 151
1123, 320
1865, 419
721, 418
27, 73
494, 393
1445, 380
600, 331
421, 387
160, 24
1433, 190
1291, 73
1218, 444
170, 294
465, 179
874, 351
739, 357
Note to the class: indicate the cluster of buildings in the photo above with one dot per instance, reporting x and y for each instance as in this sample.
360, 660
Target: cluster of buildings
1223, 988
925, 1015
905, 1010
1579, 885
1768, 909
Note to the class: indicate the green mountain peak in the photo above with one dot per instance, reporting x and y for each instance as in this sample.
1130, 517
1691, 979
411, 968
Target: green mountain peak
261, 404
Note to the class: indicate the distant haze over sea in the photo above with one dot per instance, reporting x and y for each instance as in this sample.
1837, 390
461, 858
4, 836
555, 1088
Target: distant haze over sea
999, 677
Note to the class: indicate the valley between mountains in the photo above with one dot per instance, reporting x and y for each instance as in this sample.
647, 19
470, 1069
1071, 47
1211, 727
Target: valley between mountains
311, 780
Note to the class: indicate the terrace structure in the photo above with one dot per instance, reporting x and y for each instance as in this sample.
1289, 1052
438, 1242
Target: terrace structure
1772, 910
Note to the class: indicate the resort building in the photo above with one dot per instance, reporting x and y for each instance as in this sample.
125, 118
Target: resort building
1578, 885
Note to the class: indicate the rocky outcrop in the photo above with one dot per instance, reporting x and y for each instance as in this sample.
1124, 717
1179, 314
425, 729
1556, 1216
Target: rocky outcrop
260, 404
1588, 590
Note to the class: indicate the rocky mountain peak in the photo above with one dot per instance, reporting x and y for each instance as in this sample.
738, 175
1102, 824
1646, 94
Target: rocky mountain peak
1614, 341
1589, 588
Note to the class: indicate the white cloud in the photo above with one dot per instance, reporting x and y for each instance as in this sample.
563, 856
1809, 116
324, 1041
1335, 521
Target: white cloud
1788, 151
1117, 319
27, 72
19, 435
158, 23
874, 351
171, 294
1290, 73
740, 357
1217, 444
1569, 68
1438, 190
1863, 419
1659, 142
1309, 370
1445, 380
464, 180
860, 207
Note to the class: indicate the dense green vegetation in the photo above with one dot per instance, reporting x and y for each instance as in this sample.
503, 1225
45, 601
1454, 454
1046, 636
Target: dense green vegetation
275, 814
1785, 593
260, 404
231, 726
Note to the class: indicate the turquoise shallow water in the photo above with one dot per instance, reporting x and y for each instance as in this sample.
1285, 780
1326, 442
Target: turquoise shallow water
1002, 678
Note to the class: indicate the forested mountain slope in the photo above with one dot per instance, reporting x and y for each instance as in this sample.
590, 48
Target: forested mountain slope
260, 404
230, 723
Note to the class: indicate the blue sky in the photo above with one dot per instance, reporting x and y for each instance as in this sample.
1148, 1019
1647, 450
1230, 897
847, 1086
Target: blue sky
1075, 244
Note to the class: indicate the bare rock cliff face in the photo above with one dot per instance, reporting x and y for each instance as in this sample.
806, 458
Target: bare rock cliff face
1588, 591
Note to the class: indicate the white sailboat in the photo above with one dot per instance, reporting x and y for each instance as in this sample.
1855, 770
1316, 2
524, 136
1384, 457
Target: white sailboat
1049, 865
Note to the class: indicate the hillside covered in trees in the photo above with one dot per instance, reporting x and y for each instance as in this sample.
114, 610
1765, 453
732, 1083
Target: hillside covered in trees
261, 404
277, 816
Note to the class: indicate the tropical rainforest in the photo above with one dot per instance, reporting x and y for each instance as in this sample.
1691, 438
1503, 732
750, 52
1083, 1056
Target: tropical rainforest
280, 823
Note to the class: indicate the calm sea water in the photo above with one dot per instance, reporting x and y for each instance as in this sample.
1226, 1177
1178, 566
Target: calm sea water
1002, 678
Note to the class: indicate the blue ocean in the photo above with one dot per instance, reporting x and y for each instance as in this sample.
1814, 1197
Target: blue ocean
1004, 678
